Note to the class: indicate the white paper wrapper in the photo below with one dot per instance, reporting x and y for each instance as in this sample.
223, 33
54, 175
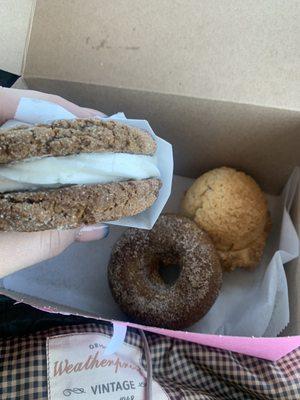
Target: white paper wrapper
251, 303
34, 111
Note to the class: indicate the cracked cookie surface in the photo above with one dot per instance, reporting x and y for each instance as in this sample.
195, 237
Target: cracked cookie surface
232, 209
66, 137
73, 206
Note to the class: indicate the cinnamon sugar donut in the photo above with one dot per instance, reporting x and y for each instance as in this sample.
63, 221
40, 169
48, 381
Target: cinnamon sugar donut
138, 287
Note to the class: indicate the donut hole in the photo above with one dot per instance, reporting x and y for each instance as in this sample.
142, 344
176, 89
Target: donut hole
169, 272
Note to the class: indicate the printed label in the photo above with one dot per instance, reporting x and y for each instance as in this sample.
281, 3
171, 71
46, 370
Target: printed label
78, 369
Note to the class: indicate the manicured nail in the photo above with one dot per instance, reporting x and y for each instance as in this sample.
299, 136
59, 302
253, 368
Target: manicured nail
92, 232
100, 115
95, 113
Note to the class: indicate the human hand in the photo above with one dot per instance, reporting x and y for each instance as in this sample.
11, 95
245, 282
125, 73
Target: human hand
10, 98
17, 249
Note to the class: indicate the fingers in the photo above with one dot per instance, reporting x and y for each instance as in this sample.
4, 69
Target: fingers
89, 113
20, 250
8, 104
78, 111
92, 232
9, 100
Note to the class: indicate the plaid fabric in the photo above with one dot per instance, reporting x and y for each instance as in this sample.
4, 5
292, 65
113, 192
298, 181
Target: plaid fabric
184, 370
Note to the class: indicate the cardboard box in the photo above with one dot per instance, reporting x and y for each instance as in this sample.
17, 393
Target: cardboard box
222, 87
15, 21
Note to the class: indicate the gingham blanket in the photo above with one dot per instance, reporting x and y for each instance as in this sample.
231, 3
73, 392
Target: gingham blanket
184, 370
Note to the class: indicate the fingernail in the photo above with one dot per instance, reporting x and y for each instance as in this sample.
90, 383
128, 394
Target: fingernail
92, 232
95, 113
100, 115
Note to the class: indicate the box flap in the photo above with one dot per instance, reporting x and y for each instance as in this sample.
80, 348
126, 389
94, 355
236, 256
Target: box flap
15, 21
245, 52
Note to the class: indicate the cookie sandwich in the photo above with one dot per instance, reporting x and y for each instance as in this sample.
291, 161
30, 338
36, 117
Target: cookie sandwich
75, 172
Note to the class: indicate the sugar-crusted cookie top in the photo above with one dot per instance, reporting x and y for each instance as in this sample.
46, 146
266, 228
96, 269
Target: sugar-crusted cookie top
67, 137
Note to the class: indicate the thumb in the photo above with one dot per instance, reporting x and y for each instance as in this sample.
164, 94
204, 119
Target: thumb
20, 250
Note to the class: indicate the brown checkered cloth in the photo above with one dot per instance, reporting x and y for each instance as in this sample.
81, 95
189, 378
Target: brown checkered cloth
184, 370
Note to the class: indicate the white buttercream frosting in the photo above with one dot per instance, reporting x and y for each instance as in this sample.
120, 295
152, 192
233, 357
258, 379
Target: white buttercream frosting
84, 168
